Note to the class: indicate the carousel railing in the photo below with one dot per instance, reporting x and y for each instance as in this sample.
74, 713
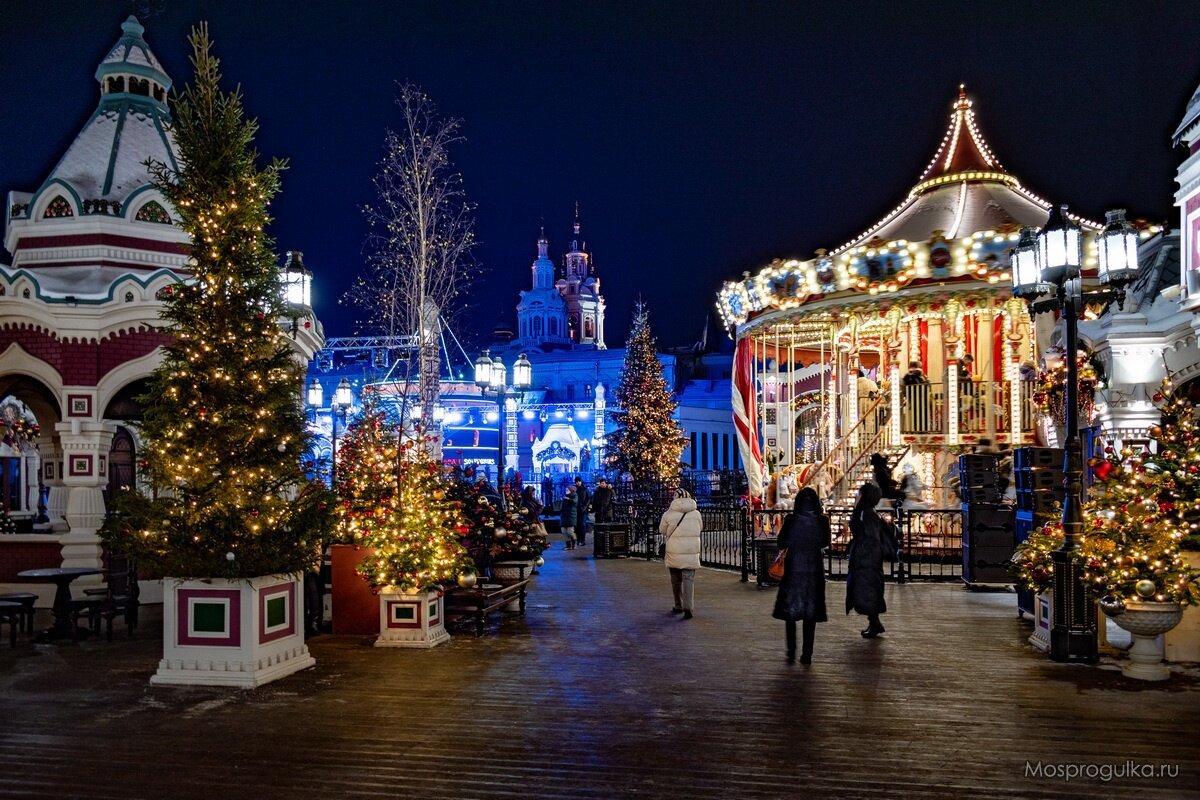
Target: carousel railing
871, 425
983, 407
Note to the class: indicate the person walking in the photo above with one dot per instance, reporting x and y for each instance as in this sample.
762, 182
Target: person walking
864, 579
602, 499
680, 526
567, 516
801, 595
584, 498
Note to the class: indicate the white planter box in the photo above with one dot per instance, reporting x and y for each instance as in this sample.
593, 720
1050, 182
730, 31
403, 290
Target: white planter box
1043, 621
412, 620
1182, 643
232, 633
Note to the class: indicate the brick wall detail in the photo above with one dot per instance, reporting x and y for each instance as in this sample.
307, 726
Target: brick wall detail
82, 362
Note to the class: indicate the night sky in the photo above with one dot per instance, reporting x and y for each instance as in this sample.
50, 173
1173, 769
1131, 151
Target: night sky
700, 139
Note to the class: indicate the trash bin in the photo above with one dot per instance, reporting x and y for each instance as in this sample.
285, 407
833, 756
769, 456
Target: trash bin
765, 551
610, 539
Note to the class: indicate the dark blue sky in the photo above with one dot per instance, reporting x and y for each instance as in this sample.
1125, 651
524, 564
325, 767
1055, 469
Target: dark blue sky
701, 139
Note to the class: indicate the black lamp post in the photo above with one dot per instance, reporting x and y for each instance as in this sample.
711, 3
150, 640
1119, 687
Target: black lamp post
343, 398
491, 377
1050, 261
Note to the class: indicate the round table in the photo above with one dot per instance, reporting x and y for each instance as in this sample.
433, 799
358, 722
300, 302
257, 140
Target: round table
61, 577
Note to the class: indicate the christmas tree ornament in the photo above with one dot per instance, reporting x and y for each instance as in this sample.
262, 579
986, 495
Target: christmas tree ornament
1144, 588
467, 580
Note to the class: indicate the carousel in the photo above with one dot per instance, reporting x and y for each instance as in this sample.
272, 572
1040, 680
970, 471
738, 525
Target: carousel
906, 341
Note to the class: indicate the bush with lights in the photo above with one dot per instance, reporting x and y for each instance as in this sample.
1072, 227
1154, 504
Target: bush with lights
416, 540
1032, 565
1146, 504
223, 430
523, 537
366, 474
1050, 391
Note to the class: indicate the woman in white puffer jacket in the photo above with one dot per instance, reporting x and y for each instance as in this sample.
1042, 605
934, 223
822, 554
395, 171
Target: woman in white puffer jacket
680, 526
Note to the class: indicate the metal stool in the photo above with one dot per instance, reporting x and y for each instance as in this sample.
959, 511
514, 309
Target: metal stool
26, 599
11, 613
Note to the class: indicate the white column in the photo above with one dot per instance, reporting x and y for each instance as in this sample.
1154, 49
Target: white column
85, 463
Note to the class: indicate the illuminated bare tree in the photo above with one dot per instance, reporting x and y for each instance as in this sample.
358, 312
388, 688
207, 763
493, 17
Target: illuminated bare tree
421, 236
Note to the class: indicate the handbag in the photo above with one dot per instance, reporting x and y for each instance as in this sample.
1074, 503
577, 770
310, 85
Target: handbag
776, 570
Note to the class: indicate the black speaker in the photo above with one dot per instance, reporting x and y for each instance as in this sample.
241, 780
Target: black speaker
989, 538
1028, 457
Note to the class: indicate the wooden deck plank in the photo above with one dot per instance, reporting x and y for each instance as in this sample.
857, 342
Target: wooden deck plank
599, 692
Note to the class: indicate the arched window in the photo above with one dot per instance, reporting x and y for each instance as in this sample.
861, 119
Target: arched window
116, 84
59, 207
588, 328
537, 326
153, 212
139, 86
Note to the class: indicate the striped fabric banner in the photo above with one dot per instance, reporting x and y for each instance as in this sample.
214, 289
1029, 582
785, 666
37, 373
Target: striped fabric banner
745, 415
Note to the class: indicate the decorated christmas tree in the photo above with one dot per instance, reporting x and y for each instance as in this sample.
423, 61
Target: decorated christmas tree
1143, 506
365, 480
223, 430
648, 441
481, 514
524, 538
417, 542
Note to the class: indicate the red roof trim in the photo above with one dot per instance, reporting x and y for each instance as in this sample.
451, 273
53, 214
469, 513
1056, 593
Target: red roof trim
92, 239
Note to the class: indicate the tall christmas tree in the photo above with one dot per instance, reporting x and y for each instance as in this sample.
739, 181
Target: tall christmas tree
1149, 502
417, 543
365, 480
223, 427
648, 441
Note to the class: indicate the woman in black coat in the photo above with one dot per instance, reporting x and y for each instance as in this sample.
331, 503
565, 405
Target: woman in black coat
883, 477
864, 581
802, 591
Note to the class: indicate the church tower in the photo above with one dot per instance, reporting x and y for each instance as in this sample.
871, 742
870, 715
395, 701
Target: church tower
542, 314
581, 290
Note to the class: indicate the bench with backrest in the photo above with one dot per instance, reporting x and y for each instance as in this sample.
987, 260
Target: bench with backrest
486, 595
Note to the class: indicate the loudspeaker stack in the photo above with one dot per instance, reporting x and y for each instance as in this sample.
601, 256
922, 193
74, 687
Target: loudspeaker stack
1038, 474
988, 527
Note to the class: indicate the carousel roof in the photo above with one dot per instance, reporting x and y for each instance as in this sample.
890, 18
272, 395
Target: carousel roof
964, 189
954, 232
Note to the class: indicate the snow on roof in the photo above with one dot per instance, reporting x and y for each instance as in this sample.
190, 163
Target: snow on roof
107, 159
1190, 117
132, 49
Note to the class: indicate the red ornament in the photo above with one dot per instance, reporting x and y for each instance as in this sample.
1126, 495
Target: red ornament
1104, 470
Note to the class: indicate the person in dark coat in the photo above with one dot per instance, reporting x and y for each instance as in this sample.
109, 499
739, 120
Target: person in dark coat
585, 508
602, 500
801, 594
567, 516
531, 504
883, 478
864, 579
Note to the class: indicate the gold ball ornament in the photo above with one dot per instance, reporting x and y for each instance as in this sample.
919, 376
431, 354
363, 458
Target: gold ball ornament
1155, 431
1144, 588
1126, 451
466, 580
539, 561
500, 533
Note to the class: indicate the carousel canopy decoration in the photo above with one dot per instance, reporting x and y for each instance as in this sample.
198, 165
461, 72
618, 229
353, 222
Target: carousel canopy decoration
957, 225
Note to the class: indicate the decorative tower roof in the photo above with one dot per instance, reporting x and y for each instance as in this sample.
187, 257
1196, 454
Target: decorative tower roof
1190, 122
107, 159
963, 149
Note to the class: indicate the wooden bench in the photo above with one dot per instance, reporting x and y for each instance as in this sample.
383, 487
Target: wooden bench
487, 595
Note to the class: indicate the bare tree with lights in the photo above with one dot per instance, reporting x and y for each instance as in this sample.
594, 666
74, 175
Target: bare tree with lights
422, 233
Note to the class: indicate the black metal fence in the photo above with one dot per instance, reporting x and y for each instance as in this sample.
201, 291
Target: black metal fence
736, 538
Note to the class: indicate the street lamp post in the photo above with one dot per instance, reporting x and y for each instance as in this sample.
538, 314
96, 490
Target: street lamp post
343, 398
1050, 262
492, 379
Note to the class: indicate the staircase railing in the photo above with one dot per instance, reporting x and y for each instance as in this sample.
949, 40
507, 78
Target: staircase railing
844, 488
844, 451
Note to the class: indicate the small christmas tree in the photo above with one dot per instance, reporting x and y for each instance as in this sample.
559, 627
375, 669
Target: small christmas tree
223, 429
365, 480
1150, 502
417, 543
648, 441
524, 538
